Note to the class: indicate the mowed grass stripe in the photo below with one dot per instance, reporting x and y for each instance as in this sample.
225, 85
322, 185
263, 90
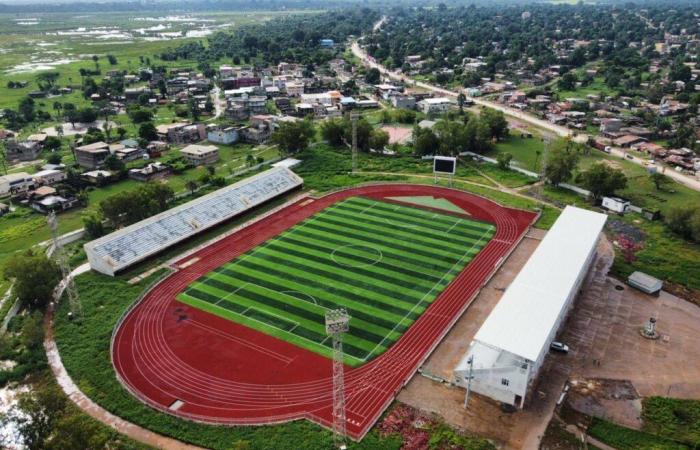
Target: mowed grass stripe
251, 296
353, 356
431, 266
351, 276
307, 314
445, 242
452, 235
408, 247
363, 263
329, 298
387, 263
396, 301
412, 212
301, 306
465, 227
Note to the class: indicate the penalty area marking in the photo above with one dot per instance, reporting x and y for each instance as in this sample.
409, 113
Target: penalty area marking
378, 255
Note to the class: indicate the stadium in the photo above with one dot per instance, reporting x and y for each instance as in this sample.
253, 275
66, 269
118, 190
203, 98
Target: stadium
234, 334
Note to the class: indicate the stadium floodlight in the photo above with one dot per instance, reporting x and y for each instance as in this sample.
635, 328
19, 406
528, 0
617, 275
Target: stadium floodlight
337, 323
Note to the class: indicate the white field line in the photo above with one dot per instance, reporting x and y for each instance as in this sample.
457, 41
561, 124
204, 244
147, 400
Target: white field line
296, 324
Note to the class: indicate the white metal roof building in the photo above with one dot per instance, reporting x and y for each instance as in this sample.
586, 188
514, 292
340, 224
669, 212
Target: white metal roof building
509, 348
127, 246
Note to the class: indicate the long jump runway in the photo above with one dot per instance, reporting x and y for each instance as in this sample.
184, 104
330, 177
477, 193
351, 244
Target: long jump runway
196, 365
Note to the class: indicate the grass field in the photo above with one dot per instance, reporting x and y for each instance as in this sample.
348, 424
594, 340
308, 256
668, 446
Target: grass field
384, 263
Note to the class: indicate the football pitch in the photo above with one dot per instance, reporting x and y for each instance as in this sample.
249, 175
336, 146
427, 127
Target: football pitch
385, 263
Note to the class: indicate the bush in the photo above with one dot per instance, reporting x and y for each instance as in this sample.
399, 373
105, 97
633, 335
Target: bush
673, 418
623, 438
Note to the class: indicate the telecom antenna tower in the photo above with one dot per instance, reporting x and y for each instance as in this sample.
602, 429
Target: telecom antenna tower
62, 260
337, 323
353, 117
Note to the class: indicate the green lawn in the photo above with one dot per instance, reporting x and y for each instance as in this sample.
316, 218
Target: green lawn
384, 263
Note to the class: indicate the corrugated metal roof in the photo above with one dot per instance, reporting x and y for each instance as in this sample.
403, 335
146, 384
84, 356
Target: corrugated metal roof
524, 317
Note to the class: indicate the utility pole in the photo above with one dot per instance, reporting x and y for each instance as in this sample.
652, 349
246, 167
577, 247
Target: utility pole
470, 361
353, 117
337, 323
62, 261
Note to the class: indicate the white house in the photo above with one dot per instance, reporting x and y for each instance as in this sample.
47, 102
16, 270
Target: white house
222, 135
436, 105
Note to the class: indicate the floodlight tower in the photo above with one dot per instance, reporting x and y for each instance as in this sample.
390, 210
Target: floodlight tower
62, 261
353, 118
337, 323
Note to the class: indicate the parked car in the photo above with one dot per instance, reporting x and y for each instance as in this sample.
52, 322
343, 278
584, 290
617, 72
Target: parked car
559, 347
629, 156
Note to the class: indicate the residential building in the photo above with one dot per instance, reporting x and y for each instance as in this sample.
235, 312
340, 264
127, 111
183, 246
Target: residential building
182, 133
92, 156
22, 151
48, 177
437, 105
16, 183
199, 155
221, 134
152, 171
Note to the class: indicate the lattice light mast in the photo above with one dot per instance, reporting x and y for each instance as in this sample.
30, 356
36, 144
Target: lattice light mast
62, 261
353, 118
337, 323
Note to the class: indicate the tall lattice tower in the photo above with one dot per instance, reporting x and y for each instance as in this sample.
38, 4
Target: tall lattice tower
62, 261
337, 323
353, 117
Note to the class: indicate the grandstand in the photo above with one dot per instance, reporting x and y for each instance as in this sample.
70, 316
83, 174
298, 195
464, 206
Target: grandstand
508, 350
130, 245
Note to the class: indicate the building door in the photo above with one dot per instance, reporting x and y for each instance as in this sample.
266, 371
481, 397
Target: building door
519, 401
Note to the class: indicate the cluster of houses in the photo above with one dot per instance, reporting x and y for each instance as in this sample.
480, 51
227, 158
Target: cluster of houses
36, 190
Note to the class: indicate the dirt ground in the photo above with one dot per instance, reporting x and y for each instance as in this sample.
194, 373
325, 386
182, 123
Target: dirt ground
610, 364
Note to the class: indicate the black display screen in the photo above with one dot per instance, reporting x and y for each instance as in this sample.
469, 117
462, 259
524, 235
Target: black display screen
444, 165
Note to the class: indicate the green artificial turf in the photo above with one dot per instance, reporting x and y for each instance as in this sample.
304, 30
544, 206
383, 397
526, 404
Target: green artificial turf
385, 263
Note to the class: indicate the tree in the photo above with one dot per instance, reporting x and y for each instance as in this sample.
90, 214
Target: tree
140, 115
114, 164
54, 158
292, 137
57, 106
460, 101
373, 76
39, 410
192, 185
685, 221
333, 130
602, 180
567, 82
93, 225
194, 109
95, 59
378, 139
137, 204
561, 162
496, 121
35, 277
504, 160
112, 60
52, 143
425, 141
660, 180
148, 131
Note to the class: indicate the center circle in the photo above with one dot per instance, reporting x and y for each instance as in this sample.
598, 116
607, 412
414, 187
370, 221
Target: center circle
348, 255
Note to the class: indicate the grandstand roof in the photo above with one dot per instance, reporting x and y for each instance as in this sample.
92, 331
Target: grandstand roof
523, 319
136, 242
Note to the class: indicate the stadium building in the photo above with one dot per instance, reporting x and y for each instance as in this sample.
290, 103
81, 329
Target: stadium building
130, 245
507, 352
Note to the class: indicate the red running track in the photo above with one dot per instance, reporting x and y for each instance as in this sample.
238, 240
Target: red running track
223, 372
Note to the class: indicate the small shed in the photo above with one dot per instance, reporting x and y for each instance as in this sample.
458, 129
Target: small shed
616, 204
645, 283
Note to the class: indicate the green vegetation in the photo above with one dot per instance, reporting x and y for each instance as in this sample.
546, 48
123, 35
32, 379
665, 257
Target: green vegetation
623, 438
84, 350
673, 418
334, 259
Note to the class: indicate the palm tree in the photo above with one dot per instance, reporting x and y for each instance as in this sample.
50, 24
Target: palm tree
96, 58
460, 101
